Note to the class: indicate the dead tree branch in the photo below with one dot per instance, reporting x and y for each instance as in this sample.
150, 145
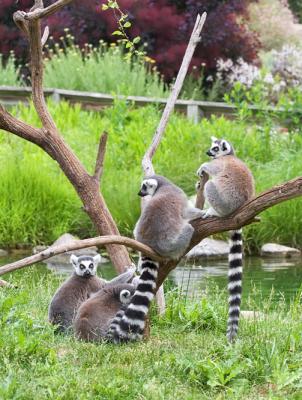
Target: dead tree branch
194, 40
100, 157
79, 244
147, 165
50, 140
203, 228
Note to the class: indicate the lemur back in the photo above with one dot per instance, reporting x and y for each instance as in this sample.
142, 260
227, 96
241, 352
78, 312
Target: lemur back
231, 184
164, 221
95, 315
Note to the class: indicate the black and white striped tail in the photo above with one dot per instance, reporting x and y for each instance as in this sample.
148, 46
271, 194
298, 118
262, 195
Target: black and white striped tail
129, 325
235, 283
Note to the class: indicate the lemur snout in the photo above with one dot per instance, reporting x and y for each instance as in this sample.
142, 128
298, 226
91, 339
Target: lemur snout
209, 153
142, 194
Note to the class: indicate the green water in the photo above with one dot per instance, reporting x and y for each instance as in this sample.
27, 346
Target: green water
274, 278
262, 278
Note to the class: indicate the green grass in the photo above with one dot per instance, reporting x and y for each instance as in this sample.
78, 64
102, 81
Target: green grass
186, 358
37, 203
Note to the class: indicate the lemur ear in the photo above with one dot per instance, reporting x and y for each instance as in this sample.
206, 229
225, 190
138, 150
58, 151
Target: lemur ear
73, 259
213, 138
97, 259
224, 145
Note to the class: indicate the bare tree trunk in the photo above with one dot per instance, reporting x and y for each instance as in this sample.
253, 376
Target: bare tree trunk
50, 140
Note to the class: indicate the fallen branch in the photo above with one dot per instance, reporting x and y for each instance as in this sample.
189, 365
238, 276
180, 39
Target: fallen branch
79, 244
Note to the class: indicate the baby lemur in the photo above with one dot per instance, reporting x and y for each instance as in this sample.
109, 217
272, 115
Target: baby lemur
231, 185
78, 288
95, 315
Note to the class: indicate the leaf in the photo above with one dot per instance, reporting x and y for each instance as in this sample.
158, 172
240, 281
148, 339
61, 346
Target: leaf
117, 33
127, 24
136, 40
104, 7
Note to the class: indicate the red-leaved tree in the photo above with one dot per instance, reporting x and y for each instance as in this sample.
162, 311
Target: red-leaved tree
164, 27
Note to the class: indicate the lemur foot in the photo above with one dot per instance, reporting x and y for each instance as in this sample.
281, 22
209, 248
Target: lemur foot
209, 213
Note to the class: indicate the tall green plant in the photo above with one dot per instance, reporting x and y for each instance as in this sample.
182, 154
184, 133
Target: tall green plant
9, 72
103, 69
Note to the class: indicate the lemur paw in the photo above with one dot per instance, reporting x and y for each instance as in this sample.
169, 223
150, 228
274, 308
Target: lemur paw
208, 214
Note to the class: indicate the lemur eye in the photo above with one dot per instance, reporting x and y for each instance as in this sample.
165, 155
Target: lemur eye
216, 148
91, 266
82, 266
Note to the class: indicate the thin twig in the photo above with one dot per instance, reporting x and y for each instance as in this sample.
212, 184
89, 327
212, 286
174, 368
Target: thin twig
194, 39
98, 172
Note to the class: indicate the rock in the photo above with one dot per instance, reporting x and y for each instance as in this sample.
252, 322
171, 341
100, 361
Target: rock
3, 253
209, 248
64, 257
278, 250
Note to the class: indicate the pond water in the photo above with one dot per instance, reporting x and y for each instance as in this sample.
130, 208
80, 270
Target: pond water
260, 275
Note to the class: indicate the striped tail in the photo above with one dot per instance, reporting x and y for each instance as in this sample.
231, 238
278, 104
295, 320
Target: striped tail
131, 324
115, 322
235, 283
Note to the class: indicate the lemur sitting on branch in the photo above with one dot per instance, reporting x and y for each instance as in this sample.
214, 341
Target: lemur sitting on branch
164, 226
231, 185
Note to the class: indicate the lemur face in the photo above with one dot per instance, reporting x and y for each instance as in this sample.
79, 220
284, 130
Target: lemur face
85, 266
219, 148
148, 187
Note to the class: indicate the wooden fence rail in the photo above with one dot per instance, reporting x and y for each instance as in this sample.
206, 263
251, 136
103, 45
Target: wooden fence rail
195, 110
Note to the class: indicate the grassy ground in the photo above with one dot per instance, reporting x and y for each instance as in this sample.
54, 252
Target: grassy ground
186, 358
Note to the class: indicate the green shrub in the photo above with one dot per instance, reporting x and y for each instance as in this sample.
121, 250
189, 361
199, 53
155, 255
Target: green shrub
37, 202
9, 73
103, 69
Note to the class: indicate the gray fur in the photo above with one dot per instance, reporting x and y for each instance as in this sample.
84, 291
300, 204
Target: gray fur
96, 314
78, 288
74, 291
231, 183
164, 221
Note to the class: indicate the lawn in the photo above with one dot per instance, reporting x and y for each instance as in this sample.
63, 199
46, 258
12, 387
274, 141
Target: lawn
187, 356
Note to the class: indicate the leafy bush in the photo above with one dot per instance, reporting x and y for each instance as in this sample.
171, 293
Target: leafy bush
9, 73
37, 203
275, 24
101, 69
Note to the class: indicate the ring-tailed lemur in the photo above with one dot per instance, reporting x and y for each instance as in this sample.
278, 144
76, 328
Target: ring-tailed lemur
164, 226
96, 314
78, 288
231, 185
